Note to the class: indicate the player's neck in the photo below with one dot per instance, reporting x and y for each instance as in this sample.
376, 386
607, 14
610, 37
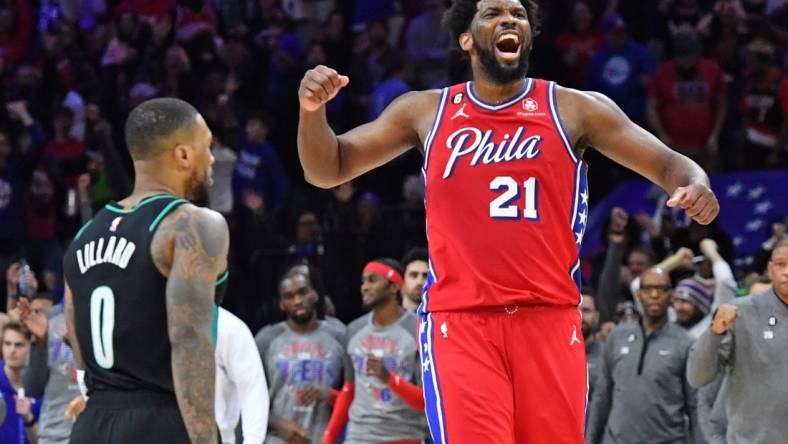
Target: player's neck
303, 328
653, 324
14, 376
493, 92
387, 314
149, 184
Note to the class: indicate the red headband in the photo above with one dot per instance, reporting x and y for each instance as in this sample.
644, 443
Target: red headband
386, 271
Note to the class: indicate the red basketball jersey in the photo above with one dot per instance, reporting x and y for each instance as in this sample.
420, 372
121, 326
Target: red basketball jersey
506, 202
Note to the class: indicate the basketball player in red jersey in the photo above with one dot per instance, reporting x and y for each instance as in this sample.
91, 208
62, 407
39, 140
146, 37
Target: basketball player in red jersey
502, 347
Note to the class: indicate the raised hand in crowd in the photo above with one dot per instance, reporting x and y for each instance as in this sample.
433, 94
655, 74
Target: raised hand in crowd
616, 231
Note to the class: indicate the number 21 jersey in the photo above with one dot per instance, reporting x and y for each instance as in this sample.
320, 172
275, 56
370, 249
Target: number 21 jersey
506, 202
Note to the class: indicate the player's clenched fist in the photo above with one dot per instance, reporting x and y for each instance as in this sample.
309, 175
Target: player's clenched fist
318, 86
698, 201
725, 317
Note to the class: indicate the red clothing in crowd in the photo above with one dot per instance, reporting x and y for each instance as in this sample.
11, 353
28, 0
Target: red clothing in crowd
14, 46
584, 45
66, 151
764, 103
145, 8
687, 107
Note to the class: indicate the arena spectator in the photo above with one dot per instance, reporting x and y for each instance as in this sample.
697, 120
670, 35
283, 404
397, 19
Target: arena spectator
744, 343
304, 363
416, 263
642, 387
579, 43
428, 46
764, 105
385, 401
594, 347
17, 163
22, 411
697, 297
51, 372
259, 170
621, 69
16, 30
687, 101
394, 84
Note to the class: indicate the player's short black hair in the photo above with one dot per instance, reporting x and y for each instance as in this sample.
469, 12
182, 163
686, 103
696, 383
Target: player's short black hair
154, 120
415, 254
457, 19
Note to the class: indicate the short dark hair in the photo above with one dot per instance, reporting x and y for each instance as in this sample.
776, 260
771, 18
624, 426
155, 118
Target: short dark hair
18, 327
155, 119
415, 254
457, 19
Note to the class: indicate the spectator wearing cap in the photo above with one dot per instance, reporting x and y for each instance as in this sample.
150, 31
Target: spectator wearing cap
641, 388
764, 107
746, 342
621, 69
687, 101
383, 401
695, 298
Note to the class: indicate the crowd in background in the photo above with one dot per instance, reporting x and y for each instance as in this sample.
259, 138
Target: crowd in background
705, 76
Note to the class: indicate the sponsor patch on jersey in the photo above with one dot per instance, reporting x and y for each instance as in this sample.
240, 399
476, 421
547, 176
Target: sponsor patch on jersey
530, 105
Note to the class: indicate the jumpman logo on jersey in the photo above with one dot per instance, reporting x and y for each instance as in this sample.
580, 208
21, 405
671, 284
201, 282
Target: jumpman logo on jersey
574, 336
461, 112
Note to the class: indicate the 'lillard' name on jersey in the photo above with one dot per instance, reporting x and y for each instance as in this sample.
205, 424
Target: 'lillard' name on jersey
119, 298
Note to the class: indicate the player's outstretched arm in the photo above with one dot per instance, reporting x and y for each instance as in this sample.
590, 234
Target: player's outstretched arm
199, 253
596, 121
330, 160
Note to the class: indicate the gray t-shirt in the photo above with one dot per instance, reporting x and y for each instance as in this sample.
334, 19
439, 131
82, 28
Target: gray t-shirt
377, 414
293, 363
54, 369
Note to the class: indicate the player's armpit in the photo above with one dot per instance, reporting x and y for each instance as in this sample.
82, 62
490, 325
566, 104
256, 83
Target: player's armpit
71, 332
594, 120
200, 241
330, 160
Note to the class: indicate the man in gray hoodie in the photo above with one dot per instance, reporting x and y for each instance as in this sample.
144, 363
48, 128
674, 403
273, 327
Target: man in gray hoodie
641, 394
747, 342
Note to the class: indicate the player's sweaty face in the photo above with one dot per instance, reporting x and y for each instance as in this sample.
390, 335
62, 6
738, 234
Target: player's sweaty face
502, 39
374, 289
297, 299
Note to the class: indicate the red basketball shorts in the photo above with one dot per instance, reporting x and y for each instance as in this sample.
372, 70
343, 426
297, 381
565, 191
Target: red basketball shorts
491, 376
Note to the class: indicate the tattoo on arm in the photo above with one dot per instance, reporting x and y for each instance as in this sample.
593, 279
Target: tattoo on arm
200, 243
71, 332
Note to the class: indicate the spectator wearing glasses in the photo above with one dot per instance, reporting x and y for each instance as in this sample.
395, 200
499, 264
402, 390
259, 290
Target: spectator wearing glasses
642, 389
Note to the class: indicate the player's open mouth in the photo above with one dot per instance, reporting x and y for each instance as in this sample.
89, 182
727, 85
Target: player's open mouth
507, 47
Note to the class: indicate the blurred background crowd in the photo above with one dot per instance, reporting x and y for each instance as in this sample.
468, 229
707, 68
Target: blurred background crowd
705, 76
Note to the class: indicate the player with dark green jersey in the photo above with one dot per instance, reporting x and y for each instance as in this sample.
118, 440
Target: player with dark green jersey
140, 282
